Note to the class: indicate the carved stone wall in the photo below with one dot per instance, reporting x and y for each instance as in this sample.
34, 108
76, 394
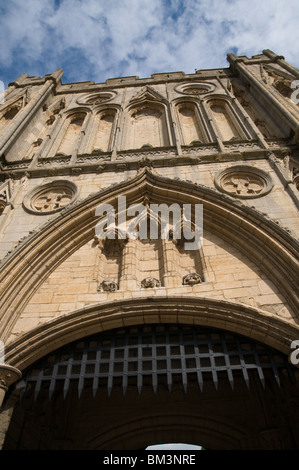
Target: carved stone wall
226, 139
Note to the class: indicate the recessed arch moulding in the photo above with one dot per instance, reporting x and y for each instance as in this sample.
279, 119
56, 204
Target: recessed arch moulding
248, 321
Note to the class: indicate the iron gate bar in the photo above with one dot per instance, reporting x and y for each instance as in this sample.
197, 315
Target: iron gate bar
259, 369
227, 363
154, 352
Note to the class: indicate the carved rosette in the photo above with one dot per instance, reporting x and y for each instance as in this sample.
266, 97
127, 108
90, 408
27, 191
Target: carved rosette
244, 182
51, 197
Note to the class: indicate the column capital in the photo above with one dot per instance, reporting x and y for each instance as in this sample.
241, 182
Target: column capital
8, 376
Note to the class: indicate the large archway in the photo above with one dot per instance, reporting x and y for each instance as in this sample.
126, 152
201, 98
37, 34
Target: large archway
213, 417
130, 387
32, 261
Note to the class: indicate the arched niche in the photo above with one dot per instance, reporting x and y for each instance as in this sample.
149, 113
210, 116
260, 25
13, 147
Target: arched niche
36, 143
190, 123
147, 126
71, 133
104, 126
224, 119
9, 114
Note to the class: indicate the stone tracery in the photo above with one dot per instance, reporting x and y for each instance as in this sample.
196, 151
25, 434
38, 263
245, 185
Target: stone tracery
243, 181
50, 197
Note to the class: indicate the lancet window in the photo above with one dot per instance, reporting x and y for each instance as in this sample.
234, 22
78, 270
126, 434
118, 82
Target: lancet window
147, 126
104, 130
224, 120
72, 131
190, 124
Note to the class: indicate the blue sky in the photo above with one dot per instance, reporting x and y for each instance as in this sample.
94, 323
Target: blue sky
100, 39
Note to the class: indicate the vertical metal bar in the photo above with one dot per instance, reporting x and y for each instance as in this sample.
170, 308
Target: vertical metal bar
125, 365
197, 360
154, 361
227, 362
82, 372
38, 383
139, 361
111, 366
168, 361
53, 380
243, 364
274, 368
68, 375
212, 360
183, 361
95, 382
259, 367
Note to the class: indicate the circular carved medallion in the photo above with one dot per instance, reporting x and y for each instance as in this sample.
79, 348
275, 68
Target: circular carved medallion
96, 98
244, 182
50, 197
201, 88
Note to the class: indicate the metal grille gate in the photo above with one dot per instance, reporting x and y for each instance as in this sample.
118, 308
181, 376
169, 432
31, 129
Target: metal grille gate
149, 354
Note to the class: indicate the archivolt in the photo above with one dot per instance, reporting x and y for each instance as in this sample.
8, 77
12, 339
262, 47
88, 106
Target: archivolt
265, 243
248, 321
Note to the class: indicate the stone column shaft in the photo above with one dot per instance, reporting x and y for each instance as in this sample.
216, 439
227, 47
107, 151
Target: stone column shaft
171, 276
128, 278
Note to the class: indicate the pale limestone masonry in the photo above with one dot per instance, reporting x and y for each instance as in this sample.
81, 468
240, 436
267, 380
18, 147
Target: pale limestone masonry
225, 138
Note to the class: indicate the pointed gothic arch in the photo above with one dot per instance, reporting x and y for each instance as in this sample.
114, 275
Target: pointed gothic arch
191, 123
33, 260
147, 126
146, 121
104, 122
251, 322
225, 120
43, 252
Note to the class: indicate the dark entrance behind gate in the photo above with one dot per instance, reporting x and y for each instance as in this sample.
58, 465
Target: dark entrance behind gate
119, 385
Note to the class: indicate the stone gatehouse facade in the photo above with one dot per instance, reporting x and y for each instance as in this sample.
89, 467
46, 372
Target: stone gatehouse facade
226, 139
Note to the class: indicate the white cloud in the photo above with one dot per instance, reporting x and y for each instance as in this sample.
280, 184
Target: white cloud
97, 39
